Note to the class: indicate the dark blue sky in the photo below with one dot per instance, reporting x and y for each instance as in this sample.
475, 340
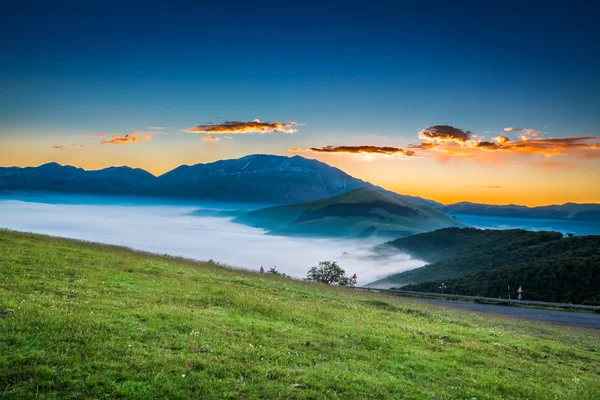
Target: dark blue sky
352, 72
530, 63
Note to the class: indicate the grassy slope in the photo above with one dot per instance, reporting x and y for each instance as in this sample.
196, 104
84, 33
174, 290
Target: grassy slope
93, 321
353, 213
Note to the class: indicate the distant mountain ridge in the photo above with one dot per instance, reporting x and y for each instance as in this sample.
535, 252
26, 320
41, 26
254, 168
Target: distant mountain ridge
257, 178
361, 212
568, 211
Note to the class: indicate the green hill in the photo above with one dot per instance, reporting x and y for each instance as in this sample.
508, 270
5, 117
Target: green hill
562, 279
474, 255
360, 213
93, 321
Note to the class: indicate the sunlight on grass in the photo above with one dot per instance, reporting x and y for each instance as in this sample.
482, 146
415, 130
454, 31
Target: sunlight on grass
94, 321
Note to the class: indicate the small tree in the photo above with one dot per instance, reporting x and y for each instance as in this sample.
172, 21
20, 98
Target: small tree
328, 272
273, 270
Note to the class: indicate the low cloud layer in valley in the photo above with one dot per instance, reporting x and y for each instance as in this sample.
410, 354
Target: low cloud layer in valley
175, 230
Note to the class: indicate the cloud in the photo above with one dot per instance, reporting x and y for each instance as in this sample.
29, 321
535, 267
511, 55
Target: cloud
546, 147
136, 133
525, 131
448, 141
156, 128
130, 138
444, 133
228, 137
382, 150
210, 138
59, 147
296, 150
237, 127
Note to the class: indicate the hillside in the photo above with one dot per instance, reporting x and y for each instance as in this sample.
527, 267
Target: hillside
93, 321
360, 213
569, 211
455, 253
257, 178
561, 279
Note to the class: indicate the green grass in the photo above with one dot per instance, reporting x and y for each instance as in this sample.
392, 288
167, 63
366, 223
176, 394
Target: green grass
93, 321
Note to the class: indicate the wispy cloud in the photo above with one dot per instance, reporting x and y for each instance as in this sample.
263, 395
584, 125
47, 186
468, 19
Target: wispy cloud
59, 146
210, 138
365, 150
525, 131
547, 147
156, 128
250, 127
382, 150
130, 138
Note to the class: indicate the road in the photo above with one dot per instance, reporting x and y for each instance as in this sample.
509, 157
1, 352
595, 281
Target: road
572, 318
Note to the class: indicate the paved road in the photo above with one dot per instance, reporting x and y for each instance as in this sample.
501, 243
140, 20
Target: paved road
572, 318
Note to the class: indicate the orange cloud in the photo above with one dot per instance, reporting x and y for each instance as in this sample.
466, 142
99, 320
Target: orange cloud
130, 138
547, 147
450, 141
236, 127
59, 147
382, 150
210, 138
296, 150
444, 133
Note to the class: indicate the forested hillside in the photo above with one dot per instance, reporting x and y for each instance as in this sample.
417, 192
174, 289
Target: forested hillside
455, 252
485, 262
562, 279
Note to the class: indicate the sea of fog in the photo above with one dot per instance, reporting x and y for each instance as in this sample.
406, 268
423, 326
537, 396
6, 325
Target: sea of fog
185, 230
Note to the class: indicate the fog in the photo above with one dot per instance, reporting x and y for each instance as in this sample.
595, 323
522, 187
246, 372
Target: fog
175, 231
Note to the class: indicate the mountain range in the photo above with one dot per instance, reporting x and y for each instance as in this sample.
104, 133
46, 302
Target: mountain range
258, 178
569, 211
361, 212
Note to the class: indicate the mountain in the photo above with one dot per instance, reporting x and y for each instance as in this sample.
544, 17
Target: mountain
570, 211
456, 253
53, 177
359, 213
257, 178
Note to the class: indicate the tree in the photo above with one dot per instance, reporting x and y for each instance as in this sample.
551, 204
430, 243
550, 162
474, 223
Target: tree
328, 272
273, 270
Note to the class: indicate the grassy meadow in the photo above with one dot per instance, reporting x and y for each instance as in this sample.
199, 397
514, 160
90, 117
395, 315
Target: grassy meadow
95, 321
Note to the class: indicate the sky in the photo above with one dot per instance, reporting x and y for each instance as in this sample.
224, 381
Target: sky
452, 101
